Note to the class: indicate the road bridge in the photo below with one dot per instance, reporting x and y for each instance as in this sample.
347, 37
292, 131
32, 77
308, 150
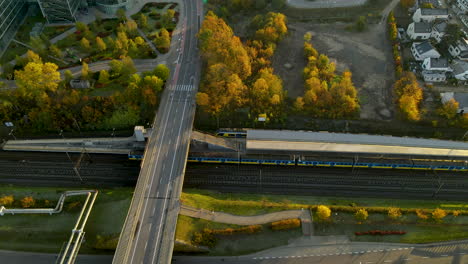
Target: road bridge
148, 233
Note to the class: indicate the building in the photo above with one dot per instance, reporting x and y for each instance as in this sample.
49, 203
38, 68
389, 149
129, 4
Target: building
434, 70
12, 13
460, 70
463, 5
461, 98
438, 31
424, 50
430, 15
459, 49
111, 6
60, 11
419, 30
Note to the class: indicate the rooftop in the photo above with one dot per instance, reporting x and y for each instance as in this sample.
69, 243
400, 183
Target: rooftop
441, 26
422, 27
459, 67
434, 11
424, 47
439, 63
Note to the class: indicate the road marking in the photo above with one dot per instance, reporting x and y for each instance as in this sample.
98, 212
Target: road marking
146, 244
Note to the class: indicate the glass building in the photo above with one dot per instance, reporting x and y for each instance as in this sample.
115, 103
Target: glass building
60, 11
12, 14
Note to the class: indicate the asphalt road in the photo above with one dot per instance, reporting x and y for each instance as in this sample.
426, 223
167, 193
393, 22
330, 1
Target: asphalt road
148, 234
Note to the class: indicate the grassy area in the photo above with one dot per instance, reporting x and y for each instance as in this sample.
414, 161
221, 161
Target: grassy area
234, 244
52, 32
252, 204
47, 233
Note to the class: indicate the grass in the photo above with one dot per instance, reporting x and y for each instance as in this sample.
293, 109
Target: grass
47, 233
52, 32
252, 204
234, 244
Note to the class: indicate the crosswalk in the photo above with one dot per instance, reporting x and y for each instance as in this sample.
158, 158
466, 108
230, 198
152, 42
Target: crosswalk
184, 87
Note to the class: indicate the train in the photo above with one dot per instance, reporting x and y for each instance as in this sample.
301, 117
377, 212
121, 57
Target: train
231, 133
311, 163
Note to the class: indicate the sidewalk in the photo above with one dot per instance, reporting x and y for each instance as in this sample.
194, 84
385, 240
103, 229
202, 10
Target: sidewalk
226, 218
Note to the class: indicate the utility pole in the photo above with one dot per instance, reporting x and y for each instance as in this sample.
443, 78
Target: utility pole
68, 155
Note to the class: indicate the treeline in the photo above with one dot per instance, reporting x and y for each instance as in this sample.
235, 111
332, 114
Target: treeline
239, 75
327, 94
226, 8
43, 102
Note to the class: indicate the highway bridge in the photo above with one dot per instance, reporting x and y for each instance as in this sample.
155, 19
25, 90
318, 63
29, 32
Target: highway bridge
148, 233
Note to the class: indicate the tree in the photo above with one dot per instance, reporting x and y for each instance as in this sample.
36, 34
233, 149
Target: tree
120, 14
455, 213
101, 45
299, 104
68, 75
166, 18
449, 109
128, 66
84, 71
278, 4
394, 213
272, 27
85, 44
323, 212
427, 5
6, 200
55, 51
361, 214
32, 57
421, 215
131, 27
103, 77
82, 27
143, 20
409, 95
116, 67
307, 37
28, 202
36, 79
438, 214
407, 3
163, 40
361, 23
139, 41
162, 71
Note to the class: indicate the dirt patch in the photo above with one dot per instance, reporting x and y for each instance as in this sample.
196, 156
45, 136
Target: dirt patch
366, 54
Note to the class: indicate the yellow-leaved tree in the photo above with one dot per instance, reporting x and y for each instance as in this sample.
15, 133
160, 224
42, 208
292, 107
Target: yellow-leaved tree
36, 79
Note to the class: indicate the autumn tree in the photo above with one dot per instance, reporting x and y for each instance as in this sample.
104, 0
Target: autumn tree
85, 45
101, 45
394, 213
37, 79
120, 14
267, 94
84, 71
128, 66
6, 200
438, 214
116, 67
166, 18
31, 56
131, 27
299, 104
409, 95
28, 202
421, 214
219, 45
449, 109
163, 41
143, 21
68, 76
103, 77
455, 213
361, 214
323, 212
271, 27
55, 51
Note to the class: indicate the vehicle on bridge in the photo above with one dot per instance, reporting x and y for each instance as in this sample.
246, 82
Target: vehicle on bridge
312, 163
231, 133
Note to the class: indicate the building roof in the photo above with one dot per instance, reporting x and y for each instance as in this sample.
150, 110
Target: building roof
459, 67
434, 11
295, 141
439, 63
422, 27
441, 27
463, 54
424, 47
433, 2
462, 99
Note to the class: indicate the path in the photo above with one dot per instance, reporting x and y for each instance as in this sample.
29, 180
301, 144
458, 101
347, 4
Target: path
324, 3
387, 10
226, 218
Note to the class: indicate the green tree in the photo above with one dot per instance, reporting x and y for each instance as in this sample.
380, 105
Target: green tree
361, 214
166, 18
120, 14
163, 40
128, 66
82, 27
323, 212
55, 51
116, 67
68, 76
361, 23
162, 71
101, 45
143, 20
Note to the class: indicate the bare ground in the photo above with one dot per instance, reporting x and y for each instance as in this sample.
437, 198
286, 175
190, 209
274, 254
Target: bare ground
366, 54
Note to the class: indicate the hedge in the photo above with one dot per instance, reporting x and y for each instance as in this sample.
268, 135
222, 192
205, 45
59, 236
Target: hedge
286, 224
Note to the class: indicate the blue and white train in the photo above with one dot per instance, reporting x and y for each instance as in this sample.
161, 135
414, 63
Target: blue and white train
312, 163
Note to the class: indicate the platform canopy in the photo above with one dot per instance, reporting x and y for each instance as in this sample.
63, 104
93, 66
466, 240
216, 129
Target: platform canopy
304, 141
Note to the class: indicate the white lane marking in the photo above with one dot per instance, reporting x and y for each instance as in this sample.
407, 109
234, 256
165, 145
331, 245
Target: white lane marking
146, 244
152, 169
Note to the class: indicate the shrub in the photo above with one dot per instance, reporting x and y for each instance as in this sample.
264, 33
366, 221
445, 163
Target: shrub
7, 200
204, 238
323, 212
286, 224
361, 214
28, 202
73, 205
421, 215
394, 213
455, 213
242, 230
438, 214
380, 233
106, 242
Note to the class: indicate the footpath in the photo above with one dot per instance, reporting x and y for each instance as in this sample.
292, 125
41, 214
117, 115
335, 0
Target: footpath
220, 217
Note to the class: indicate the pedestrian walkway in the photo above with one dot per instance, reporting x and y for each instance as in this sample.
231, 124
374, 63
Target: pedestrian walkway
226, 218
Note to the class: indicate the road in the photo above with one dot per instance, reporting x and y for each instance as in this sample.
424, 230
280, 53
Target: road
148, 233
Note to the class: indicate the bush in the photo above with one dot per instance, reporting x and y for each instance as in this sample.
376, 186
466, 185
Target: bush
73, 205
394, 213
438, 214
455, 213
28, 202
231, 231
204, 238
361, 214
286, 224
7, 200
323, 212
380, 233
106, 242
421, 214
